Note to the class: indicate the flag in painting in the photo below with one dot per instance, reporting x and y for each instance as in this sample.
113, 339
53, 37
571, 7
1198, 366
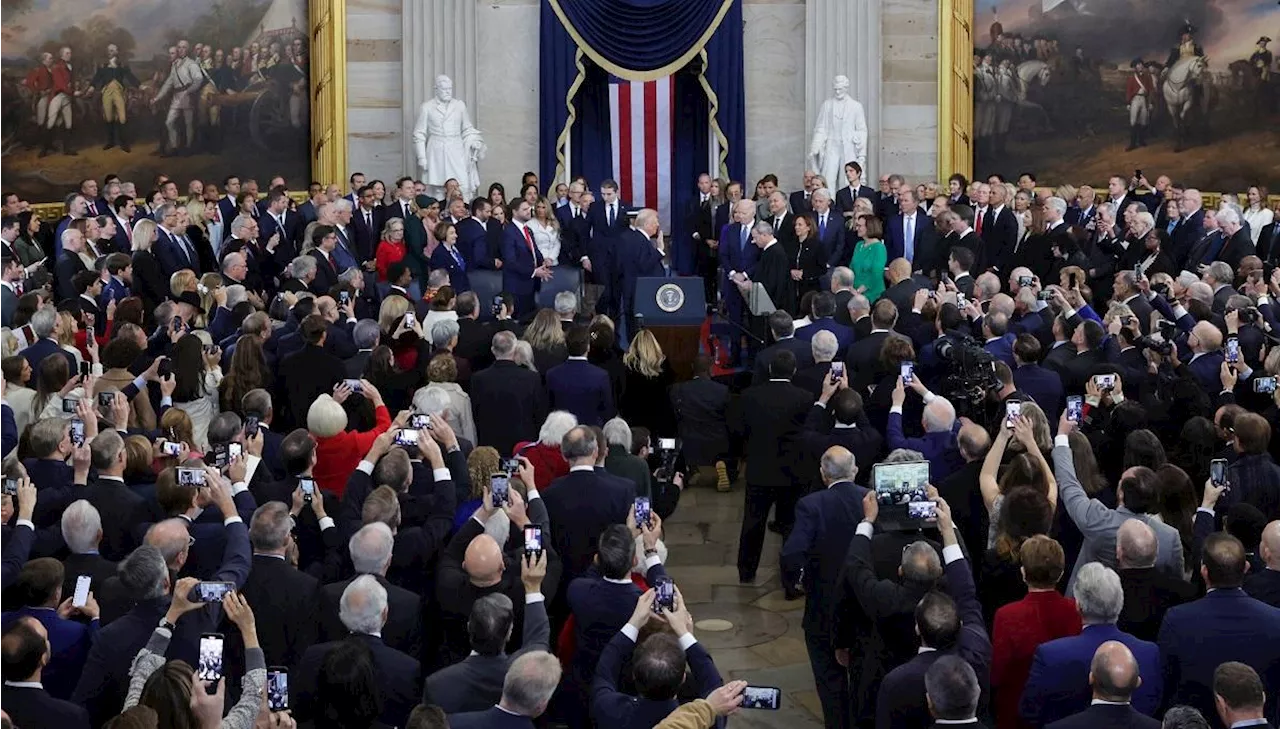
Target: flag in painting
642, 114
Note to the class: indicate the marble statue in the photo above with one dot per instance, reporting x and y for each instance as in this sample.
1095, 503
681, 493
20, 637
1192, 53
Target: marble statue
446, 143
839, 136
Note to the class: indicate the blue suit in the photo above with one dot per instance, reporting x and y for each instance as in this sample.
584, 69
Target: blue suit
924, 242
740, 257
69, 644
1207, 370
1224, 625
441, 257
493, 718
636, 257
1042, 385
472, 240
843, 334
228, 210
612, 708
43, 348
1002, 349
172, 255
113, 289
939, 449
582, 389
1058, 685
519, 259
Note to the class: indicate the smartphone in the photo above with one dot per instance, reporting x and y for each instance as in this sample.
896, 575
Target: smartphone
11, 486
1106, 383
210, 348
500, 487
220, 456
1026, 280
191, 477
420, 421
407, 437
105, 399
1045, 296
81, 595
1012, 410
84, 369
176, 323
510, 465
353, 385
1071, 280
1075, 408
926, 510
961, 302
1264, 385
665, 599
762, 697
1137, 271
234, 450
533, 540
837, 370
1233, 350
408, 320
213, 591
165, 369
210, 663
308, 487
344, 298
277, 688
908, 372
1126, 321
1218, 471
169, 448
69, 405
496, 306
643, 510
77, 432
666, 444
251, 425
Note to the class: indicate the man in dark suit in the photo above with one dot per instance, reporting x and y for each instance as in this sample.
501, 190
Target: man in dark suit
854, 189
277, 218
784, 225
998, 231
950, 623
784, 340
285, 600
508, 401
371, 549
523, 268
1042, 385
82, 530
584, 502
526, 691
639, 253
816, 547
1269, 243
121, 508
311, 371
579, 386
365, 224
864, 356
830, 230
1222, 626
700, 406
324, 238
26, 702
1087, 340
738, 255
1114, 676
69, 264
823, 318
770, 419
801, 201
952, 689
1190, 226
1240, 696
912, 235
475, 684
228, 209
364, 610
996, 339
699, 221
838, 418
46, 325
1264, 584
1238, 244
1148, 592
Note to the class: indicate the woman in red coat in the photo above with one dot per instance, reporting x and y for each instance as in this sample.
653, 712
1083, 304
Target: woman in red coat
338, 450
1020, 627
392, 247
548, 463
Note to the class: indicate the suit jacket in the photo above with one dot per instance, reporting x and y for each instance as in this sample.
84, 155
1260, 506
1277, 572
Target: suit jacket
509, 405
1105, 716
1237, 247
1204, 250
492, 718
843, 334
999, 238
1269, 242
1185, 235
69, 644
172, 255
121, 510
290, 234
635, 257
583, 389
442, 258
600, 609
818, 544
924, 243
863, 360
286, 602
399, 676
68, 265
797, 346
311, 372
770, 419
845, 196
403, 629
475, 683
98, 568
835, 242
581, 505
701, 407
613, 708
1148, 595
8, 302
1058, 685
1224, 625
326, 273
1264, 585
519, 262
36, 353
34, 707
1042, 385
1002, 349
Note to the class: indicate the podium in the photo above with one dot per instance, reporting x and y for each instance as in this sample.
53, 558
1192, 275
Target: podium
673, 310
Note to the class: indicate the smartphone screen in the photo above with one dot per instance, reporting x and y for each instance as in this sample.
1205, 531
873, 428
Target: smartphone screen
1012, 410
419, 420
1218, 471
77, 432
1264, 385
499, 486
213, 591
761, 697
407, 437
234, 450
1105, 383
1025, 280
837, 370
642, 510
210, 668
251, 425
926, 510
308, 487
532, 539
908, 372
665, 597
408, 320
278, 688
1075, 408
11, 487
191, 477
667, 444
82, 591
344, 297
1233, 350
169, 448
69, 405
106, 398
353, 385
84, 369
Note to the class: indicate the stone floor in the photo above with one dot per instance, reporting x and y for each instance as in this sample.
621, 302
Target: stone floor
765, 645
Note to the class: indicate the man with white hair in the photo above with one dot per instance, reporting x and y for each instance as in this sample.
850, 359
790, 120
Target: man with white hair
830, 227
1058, 685
566, 306
824, 347
620, 461
938, 444
842, 288
1038, 256
1190, 227
370, 550
82, 531
526, 691
738, 257
363, 610
1238, 242
47, 325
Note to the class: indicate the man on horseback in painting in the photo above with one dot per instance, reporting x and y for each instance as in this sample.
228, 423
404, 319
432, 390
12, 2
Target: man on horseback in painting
1186, 47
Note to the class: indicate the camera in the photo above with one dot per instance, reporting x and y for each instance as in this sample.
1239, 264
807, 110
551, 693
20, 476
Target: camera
1160, 346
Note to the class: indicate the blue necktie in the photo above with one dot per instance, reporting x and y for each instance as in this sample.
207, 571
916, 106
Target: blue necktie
822, 227
458, 257
908, 238
611, 216
745, 233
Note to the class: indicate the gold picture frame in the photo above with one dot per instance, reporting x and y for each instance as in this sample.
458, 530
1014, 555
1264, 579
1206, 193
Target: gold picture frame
328, 33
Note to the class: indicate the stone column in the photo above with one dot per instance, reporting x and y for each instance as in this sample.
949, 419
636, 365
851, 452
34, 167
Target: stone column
439, 38
842, 37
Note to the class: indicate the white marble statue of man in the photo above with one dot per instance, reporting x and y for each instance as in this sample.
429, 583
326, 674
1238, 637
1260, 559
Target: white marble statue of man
446, 143
840, 134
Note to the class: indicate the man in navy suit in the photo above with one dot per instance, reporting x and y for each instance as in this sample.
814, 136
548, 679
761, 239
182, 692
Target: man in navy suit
1114, 676
523, 268
589, 501
1058, 685
575, 226
639, 253
69, 639
817, 546
608, 218
365, 224
1205, 343
912, 235
121, 212
938, 445
738, 254
996, 339
473, 233
1240, 696
822, 318
526, 691
830, 231
801, 201
278, 218
577, 385
1042, 385
26, 702
1190, 226
227, 206
846, 195
46, 324
172, 249
1224, 625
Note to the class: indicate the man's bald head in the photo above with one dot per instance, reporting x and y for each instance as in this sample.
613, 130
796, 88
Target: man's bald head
974, 441
170, 537
899, 269
1208, 336
1114, 672
1136, 545
483, 561
1270, 548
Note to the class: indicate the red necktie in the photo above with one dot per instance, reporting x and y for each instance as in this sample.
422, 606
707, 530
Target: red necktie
528, 237
128, 232
978, 227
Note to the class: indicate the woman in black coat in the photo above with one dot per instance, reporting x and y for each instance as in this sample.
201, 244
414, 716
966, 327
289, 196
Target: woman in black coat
809, 260
149, 282
646, 397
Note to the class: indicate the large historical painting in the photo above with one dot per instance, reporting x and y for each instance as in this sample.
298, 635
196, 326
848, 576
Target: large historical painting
193, 90
1077, 90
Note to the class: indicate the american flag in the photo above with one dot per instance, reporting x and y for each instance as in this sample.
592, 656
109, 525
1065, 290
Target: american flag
642, 115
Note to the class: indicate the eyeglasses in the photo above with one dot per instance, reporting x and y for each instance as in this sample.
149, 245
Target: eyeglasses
191, 541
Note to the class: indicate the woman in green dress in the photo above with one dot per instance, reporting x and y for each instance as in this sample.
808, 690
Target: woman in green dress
869, 257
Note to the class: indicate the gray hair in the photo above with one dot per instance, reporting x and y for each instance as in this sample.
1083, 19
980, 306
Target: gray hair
490, 622
763, 227
371, 548
1221, 272
1228, 214
939, 415
236, 293
952, 687
503, 345
164, 211
105, 448
530, 682
1186, 278
351, 274
437, 278
1145, 221
342, 204
837, 465
443, 332
566, 303
143, 573
432, 400
1098, 593
43, 320
230, 259
1183, 717
617, 432
1057, 204
363, 603
903, 455
858, 302
842, 277
556, 426
365, 334
302, 266
240, 222
579, 442
920, 563
523, 355
81, 526
824, 192
270, 526
1108, 208
824, 346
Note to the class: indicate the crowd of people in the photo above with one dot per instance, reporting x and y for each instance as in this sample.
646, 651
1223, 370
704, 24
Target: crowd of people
271, 463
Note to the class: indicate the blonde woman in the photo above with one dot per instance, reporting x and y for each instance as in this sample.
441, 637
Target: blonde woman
148, 279
546, 335
546, 230
646, 380
181, 282
66, 336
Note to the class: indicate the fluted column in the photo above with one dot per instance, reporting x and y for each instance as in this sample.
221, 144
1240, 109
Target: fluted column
439, 38
842, 37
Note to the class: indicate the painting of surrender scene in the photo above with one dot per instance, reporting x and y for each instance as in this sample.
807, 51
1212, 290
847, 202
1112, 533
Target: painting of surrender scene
141, 87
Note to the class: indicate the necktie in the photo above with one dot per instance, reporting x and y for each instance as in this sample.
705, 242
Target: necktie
580, 215
982, 213
745, 233
777, 224
458, 257
191, 256
528, 237
128, 232
405, 207
368, 220
909, 237
611, 215
822, 226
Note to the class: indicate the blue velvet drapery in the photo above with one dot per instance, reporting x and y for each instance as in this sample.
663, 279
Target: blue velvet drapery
582, 41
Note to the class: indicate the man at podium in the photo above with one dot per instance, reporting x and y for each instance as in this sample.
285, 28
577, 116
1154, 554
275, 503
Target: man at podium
773, 273
639, 253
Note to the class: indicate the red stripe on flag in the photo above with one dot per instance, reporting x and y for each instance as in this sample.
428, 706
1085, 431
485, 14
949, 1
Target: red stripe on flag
651, 143
624, 140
